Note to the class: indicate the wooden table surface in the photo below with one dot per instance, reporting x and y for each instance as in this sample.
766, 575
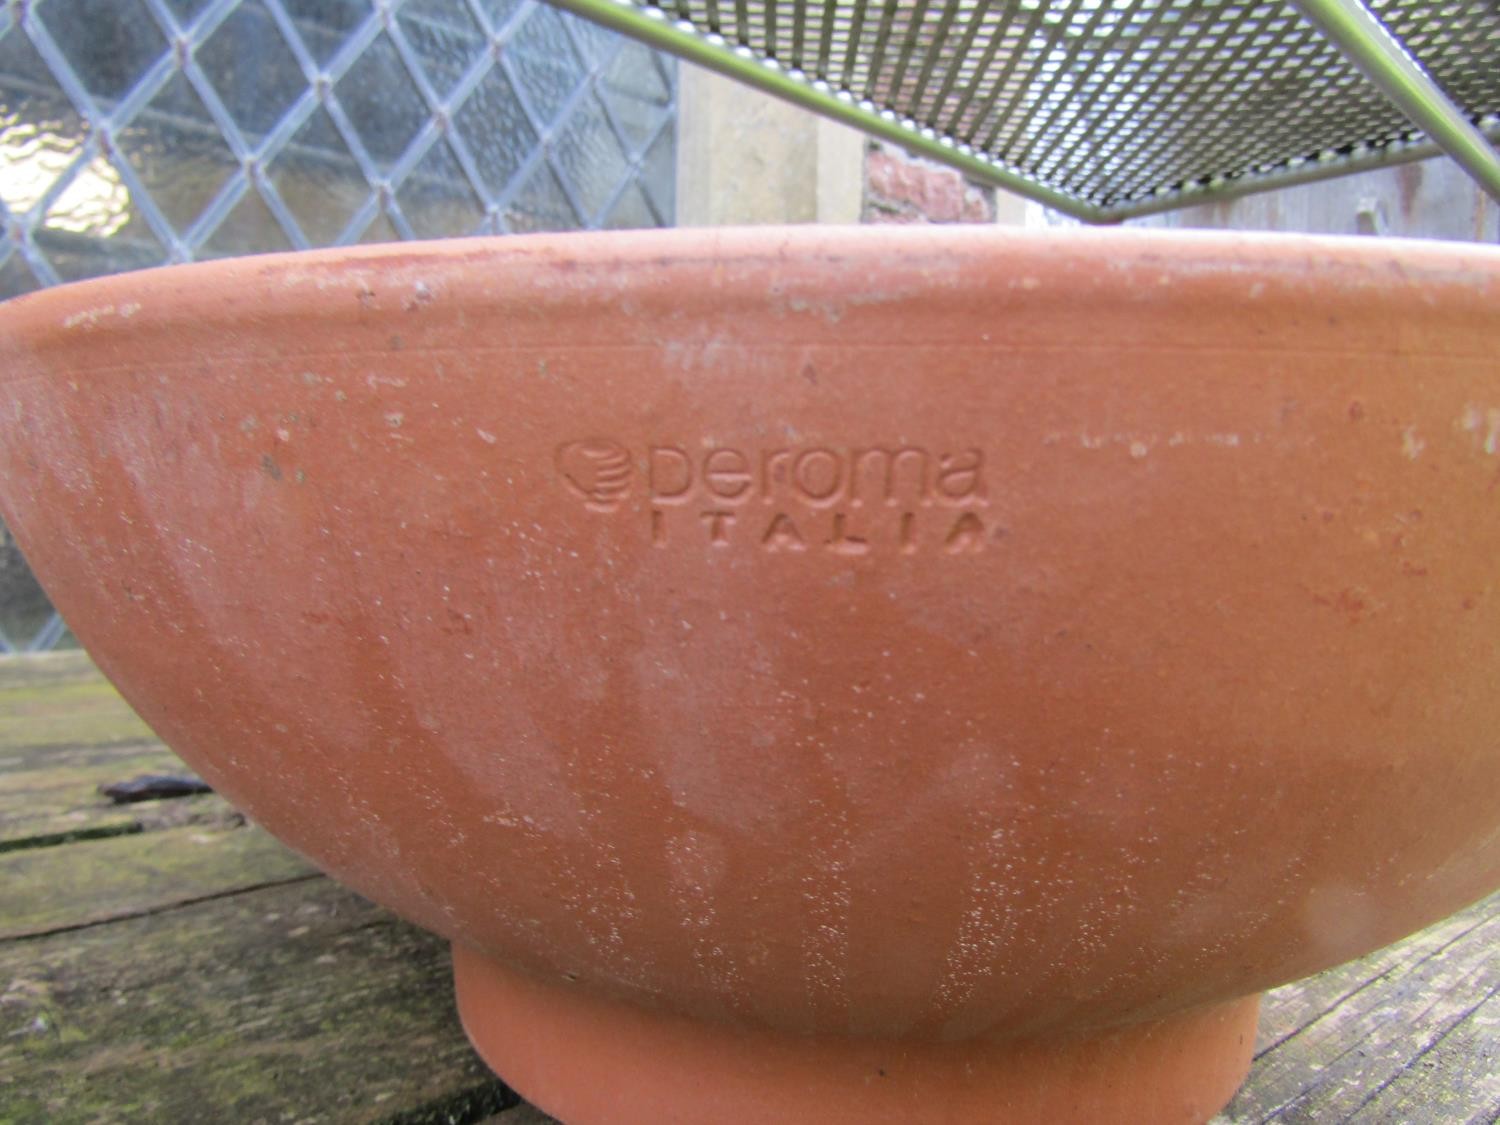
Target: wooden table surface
166, 962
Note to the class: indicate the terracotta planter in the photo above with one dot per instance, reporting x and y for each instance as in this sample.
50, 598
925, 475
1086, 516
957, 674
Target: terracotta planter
828, 676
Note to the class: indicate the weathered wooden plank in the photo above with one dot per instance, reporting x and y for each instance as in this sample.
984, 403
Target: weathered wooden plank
95, 822
1457, 1079
300, 1002
35, 771
49, 786
520, 1114
46, 668
44, 890
254, 985
1367, 1039
50, 794
1299, 1062
61, 700
1288, 1010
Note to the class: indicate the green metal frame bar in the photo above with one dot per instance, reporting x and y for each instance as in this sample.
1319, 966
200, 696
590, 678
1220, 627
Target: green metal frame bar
1356, 31
1307, 172
1347, 23
656, 29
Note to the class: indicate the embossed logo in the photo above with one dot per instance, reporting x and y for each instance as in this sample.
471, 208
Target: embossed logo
846, 500
598, 469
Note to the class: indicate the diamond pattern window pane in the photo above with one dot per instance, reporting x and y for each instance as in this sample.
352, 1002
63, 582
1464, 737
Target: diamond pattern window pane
319, 181
288, 124
597, 43
382, 103
493, 124
437, 199
550, 69
659, 174
380, 230
16, 277
499, 13
96, 227
446, 39
177, 153
325, 26
109, 44
636, 90
24, 611
252, 69
542, 204
186, 11
249, 228
632, 211
42, 136
589, 151
632, 72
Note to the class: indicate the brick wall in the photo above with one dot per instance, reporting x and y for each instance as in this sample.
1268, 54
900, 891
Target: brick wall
901, 188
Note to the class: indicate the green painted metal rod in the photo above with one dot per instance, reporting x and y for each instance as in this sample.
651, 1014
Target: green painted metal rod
1364, 40
659, 30
1351, 27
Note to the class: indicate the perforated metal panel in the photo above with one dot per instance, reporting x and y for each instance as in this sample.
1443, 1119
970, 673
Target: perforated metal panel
1458, 42
140, 132
1108, 108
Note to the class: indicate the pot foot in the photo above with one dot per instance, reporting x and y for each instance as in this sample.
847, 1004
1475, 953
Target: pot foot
596, 1062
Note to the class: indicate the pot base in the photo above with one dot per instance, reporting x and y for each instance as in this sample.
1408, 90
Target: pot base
589, 1061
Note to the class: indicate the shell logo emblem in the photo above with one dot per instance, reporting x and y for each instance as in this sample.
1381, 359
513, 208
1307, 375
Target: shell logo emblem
598, 469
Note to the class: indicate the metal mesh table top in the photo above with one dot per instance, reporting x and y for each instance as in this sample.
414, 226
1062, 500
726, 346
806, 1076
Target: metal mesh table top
1110, 108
